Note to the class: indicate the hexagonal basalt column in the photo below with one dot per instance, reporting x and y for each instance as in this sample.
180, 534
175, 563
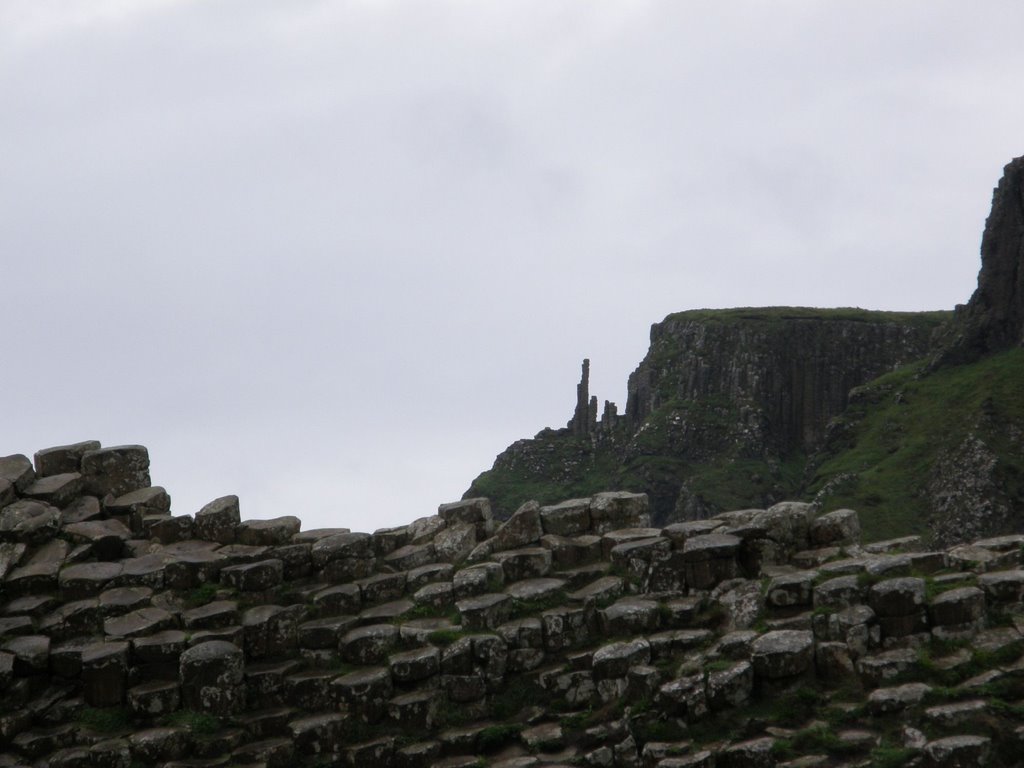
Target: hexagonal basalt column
782, 654
212, 677
710, 559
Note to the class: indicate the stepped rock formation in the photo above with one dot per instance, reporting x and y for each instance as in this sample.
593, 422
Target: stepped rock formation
722, 400
570, 634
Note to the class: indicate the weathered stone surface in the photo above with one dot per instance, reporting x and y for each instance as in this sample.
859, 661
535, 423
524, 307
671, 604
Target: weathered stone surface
791, 589
309, 689
615, 659
566, 627
454, 543
366, 692
392, 612
190, 568
105, 673
569, 518
62, 458
211, 676
957, 714
371, 644
883, 701
29, 522
86, 579
788, 524
340, 546
570, 553
16, 470
254, 577
835, 528
383, 586
897, 597
115, 471
31, 653
58, 490
318, 735
415, 665
528, 563
730, 687
145, 571
838, 593
439, 595
684, 697
153, 746
158, 655
619, 509
213, 615
967, 751
466, 511
428, 574
323, 634
137, 505
754, 753
144, 621
478, 579
154, 699
886, 666
274, 532
269, 630
522, 529
340, 599
782, 654
106, 537
485, 611
411, 556
957, 607
11, 554
218, 521
120, 600
709, 559
1003, 586
631, 615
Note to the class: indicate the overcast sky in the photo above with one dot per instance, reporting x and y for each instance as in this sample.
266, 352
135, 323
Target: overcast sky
335, 256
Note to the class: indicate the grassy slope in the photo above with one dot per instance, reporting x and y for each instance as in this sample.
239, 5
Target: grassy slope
902, 423
507, 489
848, 314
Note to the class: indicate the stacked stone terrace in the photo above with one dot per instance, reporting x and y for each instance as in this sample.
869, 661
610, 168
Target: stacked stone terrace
574, 634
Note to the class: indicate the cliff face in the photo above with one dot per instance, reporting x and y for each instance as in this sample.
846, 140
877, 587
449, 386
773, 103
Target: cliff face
722, 411
744, 407
994, 317
789, 369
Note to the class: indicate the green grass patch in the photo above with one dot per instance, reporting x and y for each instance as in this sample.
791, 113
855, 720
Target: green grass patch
494, 737
837, 314
201, 595
444, 637
892, 757
518, 694
524, 608
896, 428
200, 723
105, 719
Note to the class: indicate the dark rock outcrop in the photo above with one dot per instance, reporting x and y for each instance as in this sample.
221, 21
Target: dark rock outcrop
994, 317
579, 635
722, 400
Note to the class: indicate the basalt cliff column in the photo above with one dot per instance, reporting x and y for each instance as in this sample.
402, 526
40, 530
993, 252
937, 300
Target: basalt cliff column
994, 317
721, 411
